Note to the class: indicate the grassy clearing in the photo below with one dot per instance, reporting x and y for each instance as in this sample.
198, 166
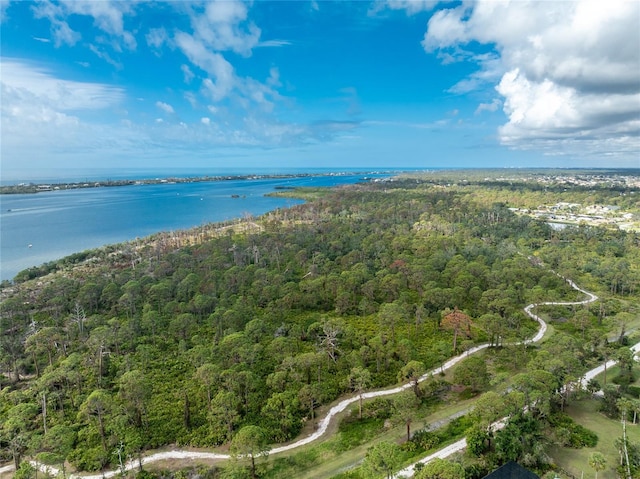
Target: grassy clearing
576, 461
348, 446
344, 448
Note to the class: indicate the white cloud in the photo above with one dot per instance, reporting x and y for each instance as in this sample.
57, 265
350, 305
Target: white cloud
273, 43
107, 15
165, 107
62, 34
43, 113
569, 72
191, 98
38, 87
221, 27
188, 74
493, 106
274, 77
156, 37
410, 6
4, 5
211, 62
101, 53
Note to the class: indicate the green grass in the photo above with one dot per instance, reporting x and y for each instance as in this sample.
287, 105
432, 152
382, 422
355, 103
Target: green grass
576, 461
346, 449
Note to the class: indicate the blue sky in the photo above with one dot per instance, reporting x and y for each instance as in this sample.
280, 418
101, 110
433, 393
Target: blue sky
265, 84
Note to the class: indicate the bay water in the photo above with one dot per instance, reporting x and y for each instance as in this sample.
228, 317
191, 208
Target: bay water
45, 226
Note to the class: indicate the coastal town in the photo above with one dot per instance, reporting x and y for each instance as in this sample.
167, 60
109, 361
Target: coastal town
563, 214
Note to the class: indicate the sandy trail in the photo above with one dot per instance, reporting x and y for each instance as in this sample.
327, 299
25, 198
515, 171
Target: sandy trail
342, 405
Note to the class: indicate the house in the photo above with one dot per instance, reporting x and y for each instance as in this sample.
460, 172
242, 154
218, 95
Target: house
512, 470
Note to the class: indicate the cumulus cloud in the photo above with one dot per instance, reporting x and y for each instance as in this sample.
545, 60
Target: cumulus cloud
223, 26
40, 112
156, 37
209, 61
188, 74
4, 5
165, 107
43, 113
493, 106
107, 15
569, 72
219, 27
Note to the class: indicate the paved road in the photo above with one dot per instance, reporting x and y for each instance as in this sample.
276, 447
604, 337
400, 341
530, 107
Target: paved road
342, 405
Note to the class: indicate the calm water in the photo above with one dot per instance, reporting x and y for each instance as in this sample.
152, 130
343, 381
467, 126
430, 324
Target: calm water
42, 227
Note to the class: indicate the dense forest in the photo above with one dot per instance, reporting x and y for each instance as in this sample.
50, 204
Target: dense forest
176, 340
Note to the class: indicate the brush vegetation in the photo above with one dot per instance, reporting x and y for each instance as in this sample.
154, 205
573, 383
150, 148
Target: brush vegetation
189, 338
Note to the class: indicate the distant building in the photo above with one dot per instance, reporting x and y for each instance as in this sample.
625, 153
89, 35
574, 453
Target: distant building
512, 470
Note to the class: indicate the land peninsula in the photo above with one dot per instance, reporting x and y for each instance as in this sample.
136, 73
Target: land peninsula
30, 187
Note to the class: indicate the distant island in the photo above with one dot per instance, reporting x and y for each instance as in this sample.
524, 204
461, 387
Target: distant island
31, 187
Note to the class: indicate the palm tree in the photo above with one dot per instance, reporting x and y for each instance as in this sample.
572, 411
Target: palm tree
597, 461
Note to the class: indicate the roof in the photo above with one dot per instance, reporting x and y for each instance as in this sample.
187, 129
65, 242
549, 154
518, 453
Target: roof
512, 470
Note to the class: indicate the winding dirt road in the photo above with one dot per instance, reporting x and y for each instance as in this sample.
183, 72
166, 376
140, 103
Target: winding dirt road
342, 405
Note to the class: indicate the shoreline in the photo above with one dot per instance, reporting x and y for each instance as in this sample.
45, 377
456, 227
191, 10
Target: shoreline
33, 188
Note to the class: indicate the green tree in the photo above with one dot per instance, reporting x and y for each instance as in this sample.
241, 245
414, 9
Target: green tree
281, 412
15, 431
581, 320
477, 440
59, 440
389, 315
472, 372
251, 442
25, 471
135, 392
209, 376
413, 371
224, 411
441, 469
489, 407
310, 396
405, 406
598, 462
358, 381
382, 458
98, 406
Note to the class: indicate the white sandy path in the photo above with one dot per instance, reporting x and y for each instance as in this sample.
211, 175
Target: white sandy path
462, 443
7, 468
342, 405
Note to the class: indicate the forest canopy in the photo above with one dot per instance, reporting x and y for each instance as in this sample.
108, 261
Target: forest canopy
176, 340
